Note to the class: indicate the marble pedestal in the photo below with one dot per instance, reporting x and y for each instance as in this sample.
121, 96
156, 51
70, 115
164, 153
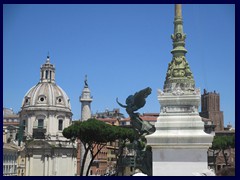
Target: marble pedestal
179, 144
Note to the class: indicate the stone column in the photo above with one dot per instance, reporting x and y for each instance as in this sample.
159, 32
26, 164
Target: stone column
85, 100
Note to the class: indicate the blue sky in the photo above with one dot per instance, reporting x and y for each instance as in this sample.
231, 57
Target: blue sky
122, 49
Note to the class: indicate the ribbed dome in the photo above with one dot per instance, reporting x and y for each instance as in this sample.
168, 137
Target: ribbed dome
46, 95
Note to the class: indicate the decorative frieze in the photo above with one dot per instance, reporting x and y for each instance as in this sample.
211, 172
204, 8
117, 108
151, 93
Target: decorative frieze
179, 109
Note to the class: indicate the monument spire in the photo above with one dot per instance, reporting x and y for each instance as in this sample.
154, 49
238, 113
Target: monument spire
178, 37
178, 74
179, 141
178, 10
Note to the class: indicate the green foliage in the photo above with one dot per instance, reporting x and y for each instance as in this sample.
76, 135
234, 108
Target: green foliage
125, 133
95, 133
71, 132
223, 142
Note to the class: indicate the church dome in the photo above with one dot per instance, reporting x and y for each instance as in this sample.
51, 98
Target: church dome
46, 95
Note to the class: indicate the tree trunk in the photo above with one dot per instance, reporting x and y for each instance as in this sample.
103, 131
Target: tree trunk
93, 157
119, 157
225, 157
215, 158
84, 159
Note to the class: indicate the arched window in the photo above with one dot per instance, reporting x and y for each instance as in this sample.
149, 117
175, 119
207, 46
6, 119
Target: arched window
60, 124
46, 74
24, 124
40, 123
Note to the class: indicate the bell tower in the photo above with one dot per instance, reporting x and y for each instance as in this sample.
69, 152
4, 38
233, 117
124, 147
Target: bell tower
211, 109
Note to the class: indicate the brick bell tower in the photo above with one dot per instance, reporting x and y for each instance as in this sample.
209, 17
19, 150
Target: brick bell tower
211, 109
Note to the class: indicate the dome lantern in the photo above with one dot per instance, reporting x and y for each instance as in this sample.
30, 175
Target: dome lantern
47, 73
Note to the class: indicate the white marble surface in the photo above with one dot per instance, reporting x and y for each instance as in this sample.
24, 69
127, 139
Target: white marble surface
179, 144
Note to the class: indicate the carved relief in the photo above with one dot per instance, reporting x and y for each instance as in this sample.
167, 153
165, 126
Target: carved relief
179, 67
189, 74
196, 91
194, 109
164, 109
178, 60
160, 92
177, 91
177, 109
178, 37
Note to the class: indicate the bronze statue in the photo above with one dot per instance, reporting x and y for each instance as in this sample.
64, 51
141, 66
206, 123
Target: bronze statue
144, 154
134, 103
85, 82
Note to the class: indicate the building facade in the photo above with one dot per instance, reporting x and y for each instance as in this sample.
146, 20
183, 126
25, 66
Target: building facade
10, 157
214, 124
45, 112
10, 125
105, 162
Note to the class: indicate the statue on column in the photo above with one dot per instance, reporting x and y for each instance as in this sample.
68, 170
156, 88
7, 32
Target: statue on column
85, 82
142, 128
